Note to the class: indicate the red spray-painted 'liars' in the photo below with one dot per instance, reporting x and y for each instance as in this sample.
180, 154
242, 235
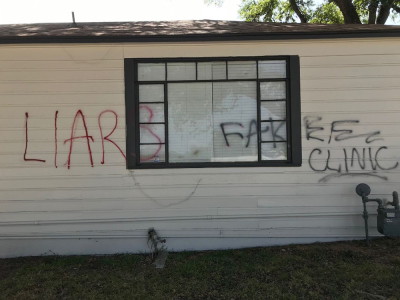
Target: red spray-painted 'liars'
79, 114
107, 138
73, 137
26, 141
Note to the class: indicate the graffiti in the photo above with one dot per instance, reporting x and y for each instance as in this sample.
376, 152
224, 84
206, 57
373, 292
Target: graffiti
232, 133
55, 139
73, 137
251, 132
311, 129
147, 127
356, 161
253, 124
363, 160
274, 131
346, 134
107, 137
26, 142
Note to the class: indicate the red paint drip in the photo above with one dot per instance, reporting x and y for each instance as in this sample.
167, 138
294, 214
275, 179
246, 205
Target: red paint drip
73, 137
146, 126
55, 139
107, 137
26, 142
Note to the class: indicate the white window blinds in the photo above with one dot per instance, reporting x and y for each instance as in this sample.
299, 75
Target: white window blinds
235, 121
190, 122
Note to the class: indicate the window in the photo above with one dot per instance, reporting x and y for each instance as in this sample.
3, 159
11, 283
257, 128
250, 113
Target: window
210, 112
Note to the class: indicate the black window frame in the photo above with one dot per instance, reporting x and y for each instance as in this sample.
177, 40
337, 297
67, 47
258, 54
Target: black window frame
293, 112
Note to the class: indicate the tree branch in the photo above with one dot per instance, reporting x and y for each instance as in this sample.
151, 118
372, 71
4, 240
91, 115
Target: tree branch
349, 12
384, 11
372, 8
296, 9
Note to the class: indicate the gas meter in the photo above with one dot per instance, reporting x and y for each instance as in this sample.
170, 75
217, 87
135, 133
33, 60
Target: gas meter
388, 218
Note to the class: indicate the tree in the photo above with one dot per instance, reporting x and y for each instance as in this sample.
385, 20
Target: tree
325, 11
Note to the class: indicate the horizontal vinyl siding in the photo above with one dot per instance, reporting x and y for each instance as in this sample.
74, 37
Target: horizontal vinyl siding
108, 209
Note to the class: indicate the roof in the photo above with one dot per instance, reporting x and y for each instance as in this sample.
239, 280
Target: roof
201, 30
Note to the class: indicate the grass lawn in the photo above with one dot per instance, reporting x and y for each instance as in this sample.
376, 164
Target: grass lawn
343, 270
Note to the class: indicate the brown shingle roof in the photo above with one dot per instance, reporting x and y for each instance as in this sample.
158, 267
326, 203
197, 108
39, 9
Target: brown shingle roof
183, 30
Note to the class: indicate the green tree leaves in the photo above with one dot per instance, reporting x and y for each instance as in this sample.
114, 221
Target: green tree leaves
327, 11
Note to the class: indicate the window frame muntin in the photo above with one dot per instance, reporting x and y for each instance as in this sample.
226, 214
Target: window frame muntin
292, 118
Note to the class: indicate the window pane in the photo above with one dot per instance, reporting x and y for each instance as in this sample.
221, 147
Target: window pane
152, 153
151, 93
273, 110
274, 151
273, 131
151, 72
152, 133
151, 113
181, 71
273, 90
242, 69
190, 122
271, 69
235, 121
211, 70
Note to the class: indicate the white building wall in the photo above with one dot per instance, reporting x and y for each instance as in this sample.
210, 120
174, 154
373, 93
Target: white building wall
46, 209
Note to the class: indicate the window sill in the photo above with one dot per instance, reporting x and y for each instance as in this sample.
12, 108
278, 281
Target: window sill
268, 164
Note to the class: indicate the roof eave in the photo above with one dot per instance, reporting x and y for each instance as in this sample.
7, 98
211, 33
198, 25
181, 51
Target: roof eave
197, 37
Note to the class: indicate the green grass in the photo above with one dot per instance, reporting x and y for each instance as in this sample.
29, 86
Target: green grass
343, 270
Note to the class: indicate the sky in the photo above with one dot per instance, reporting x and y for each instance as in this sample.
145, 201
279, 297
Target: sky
54, 11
